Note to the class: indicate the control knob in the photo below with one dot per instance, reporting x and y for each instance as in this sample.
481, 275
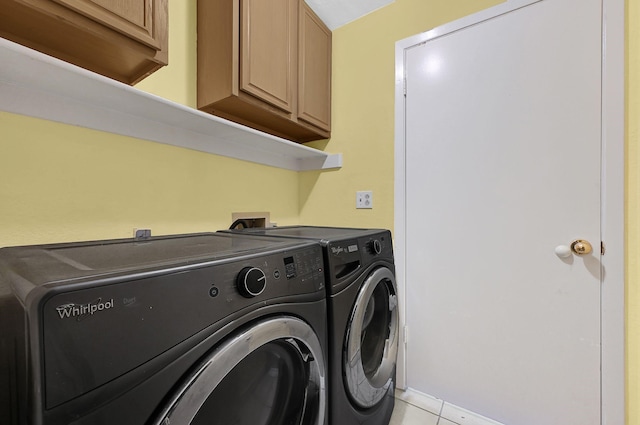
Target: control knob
251, 282
375, 247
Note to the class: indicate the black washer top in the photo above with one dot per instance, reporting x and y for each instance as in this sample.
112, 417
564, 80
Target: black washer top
318, 233
49, 264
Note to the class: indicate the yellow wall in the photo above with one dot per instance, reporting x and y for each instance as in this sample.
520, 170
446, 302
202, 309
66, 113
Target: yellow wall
363, 111
64, 183
633, 212
177, 81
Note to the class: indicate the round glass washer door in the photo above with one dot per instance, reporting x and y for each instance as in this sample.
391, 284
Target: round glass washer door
273, 373
371, 344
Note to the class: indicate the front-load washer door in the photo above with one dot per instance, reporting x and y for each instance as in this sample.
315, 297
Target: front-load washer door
371, 344
273, 373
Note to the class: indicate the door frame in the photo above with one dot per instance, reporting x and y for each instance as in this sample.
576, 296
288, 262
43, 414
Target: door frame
612, 195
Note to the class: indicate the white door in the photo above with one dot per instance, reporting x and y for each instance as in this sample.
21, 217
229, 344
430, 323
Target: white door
503, 155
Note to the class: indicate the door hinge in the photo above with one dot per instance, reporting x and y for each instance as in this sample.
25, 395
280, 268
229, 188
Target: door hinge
404, 86
602, 248
405, 334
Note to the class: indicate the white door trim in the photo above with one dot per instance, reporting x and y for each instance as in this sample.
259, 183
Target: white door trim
612, 295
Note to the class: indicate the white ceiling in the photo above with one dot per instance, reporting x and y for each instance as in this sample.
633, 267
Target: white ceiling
336, 13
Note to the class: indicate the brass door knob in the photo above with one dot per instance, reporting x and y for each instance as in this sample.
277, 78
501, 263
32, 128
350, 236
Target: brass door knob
581, 247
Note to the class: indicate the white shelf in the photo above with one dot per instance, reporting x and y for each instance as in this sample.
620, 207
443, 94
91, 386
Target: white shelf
41, 86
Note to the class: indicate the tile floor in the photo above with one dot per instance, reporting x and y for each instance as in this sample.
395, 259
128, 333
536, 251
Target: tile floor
408, 414
417, 409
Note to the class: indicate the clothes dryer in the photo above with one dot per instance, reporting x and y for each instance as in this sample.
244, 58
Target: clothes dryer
363, 319
190, 329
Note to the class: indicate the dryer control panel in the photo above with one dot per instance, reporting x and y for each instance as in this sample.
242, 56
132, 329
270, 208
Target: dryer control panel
302, 270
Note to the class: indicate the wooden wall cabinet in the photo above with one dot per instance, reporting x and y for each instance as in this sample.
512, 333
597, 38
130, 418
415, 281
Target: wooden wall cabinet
267, 65
122, 39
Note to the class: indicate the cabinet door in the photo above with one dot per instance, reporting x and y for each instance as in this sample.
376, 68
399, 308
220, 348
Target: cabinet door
314, 89
122, 39
133, 18
268, 51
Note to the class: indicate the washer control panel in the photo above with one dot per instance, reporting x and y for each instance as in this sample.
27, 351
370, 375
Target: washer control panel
345, 257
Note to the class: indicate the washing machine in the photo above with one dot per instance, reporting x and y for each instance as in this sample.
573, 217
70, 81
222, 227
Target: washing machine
363, 318
189, 329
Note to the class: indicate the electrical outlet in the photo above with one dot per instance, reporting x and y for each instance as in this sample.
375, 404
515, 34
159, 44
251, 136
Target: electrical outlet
364, 199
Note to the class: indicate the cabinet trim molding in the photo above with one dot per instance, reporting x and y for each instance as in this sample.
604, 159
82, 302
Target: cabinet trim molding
41, 86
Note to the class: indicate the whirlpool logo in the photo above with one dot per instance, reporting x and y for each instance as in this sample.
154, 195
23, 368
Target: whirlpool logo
337, 250
78, 311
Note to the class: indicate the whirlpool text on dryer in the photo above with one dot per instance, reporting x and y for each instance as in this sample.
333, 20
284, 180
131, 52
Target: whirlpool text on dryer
66, 311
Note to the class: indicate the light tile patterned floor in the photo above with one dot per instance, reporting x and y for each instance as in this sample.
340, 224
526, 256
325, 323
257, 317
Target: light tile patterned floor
408, 414
413, 408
